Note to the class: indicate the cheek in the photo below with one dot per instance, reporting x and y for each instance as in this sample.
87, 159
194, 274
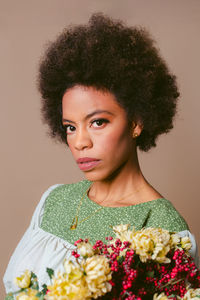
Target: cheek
115, 143
70, 144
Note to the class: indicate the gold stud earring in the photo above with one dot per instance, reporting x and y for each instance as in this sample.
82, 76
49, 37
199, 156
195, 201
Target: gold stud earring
135, 134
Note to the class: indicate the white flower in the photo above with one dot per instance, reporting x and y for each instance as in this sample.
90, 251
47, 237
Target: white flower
85, 249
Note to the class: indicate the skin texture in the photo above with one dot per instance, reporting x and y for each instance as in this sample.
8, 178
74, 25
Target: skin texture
118, 174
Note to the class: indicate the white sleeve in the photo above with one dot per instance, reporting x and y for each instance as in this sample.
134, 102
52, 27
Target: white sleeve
194, 250
39, 249
36, 251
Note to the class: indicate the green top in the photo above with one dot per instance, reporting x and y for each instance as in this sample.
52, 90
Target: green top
61, 207
62, 203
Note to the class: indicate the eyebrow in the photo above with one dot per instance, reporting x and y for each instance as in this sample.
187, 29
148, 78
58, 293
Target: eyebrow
91, 114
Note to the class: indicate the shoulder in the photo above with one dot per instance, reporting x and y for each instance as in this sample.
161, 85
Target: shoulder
60, 191
164, 214
60, 198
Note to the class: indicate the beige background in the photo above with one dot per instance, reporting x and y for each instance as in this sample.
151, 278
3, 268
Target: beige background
30, 162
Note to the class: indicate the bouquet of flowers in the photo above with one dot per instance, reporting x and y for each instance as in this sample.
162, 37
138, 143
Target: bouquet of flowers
151, 263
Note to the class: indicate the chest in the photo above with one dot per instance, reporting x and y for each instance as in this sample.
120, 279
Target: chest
93, 222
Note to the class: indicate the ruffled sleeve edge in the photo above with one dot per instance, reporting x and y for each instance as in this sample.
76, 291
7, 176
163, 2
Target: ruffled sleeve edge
194, 249
38, 213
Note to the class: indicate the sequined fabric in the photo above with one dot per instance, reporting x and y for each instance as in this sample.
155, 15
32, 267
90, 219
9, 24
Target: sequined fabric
61, 207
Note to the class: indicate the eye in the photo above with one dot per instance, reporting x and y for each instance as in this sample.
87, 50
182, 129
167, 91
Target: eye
99, 122
69, 128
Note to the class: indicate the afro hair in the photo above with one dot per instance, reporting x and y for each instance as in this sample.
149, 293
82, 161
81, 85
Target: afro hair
108, 55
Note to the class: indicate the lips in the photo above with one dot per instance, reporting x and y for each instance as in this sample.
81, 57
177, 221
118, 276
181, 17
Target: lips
87, 163
86, 159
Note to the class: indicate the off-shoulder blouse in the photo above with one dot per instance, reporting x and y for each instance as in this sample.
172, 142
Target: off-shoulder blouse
49, 239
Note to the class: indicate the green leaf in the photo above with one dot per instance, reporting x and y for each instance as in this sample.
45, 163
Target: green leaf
33, 275
120, 259
38, 294
34, 284
44, 290
50, 272
150, 274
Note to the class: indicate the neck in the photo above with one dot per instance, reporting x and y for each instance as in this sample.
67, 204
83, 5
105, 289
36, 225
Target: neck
128, 180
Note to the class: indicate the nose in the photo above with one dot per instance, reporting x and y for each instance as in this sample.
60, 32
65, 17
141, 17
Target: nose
82, 140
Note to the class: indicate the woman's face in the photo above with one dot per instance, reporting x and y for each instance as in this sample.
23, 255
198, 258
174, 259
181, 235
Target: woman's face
97, 132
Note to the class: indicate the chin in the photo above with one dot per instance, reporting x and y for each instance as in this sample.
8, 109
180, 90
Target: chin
95, 175
91, 176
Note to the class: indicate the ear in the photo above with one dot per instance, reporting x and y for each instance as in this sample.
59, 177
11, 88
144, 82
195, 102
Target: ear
137, 128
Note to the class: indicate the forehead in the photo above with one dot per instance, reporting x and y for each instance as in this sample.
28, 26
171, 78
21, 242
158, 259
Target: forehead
80, 98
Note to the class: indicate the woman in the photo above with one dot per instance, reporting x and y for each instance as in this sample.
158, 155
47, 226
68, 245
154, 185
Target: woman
106, 92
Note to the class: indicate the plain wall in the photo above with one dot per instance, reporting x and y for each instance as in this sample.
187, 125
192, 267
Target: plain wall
31, 162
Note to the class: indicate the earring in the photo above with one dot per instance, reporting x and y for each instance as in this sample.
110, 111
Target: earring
135, 134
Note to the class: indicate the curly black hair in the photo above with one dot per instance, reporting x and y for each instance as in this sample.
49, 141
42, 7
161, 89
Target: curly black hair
108, 55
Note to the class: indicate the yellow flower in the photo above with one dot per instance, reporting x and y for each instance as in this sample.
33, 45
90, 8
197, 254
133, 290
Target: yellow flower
148, 243
121, 228
192, 294
73, 271
160, 253
161, 241
164, 297
22, 297
98, 273
160, 297
85, 249
175, 239
24, 280
143, 246
122, 233
68, 286
30, 294
185, 243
